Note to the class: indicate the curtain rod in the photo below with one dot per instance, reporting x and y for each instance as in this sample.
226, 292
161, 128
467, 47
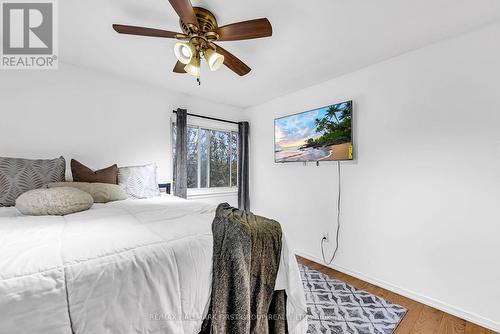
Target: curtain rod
210, 118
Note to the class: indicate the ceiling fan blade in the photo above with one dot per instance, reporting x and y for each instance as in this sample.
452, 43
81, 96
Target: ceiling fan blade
232, 62
179, 67
142, 31
184, 9
257, 28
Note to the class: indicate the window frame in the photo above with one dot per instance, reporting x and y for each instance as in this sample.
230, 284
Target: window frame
199, 190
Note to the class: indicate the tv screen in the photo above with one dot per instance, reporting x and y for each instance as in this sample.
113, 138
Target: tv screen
323, 134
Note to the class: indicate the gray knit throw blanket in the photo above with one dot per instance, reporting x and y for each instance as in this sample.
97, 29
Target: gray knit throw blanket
246, 257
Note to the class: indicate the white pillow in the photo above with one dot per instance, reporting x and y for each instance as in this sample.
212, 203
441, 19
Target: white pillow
53, 202
139, 181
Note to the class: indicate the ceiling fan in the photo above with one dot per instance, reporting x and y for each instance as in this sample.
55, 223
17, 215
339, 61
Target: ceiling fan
200, 32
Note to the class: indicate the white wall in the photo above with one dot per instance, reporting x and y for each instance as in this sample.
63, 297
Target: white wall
96, 118
420, 210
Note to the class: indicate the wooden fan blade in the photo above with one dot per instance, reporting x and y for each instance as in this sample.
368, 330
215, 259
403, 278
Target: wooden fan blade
184, 9
236, 65
142, 31
179, 67
257, 28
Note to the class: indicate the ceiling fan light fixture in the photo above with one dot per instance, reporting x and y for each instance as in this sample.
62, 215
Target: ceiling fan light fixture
193, 67
184, 52
200, 31
214, 59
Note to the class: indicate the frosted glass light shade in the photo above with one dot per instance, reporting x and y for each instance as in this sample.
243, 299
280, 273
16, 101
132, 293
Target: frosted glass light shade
193, 67
214, 59
184, 52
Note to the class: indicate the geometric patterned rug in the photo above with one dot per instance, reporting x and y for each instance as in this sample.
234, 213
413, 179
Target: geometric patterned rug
335, 307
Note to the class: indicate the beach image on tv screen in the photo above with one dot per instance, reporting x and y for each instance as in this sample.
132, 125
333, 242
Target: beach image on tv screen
322, 134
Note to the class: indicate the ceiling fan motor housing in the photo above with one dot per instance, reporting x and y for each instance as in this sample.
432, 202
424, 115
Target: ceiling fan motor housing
206, 21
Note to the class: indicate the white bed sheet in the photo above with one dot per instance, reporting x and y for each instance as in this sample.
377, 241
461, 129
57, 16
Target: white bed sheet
134, 266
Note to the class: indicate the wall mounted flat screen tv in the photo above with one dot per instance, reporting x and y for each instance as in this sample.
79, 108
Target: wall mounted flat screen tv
323, 134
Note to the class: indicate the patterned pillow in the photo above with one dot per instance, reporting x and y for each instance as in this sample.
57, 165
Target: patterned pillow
139, 181
18, 176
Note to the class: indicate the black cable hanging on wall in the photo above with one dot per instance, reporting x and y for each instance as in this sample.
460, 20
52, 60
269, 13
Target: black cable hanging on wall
338, 225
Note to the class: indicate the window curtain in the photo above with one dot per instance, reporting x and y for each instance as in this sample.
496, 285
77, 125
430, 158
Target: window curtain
243, 168
180, 163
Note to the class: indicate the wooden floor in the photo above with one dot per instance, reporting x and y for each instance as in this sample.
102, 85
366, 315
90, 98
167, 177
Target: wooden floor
420, 319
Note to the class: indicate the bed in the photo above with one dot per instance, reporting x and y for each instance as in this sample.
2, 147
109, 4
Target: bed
132, 266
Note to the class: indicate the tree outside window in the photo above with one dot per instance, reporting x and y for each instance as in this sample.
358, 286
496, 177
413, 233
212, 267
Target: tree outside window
212, 157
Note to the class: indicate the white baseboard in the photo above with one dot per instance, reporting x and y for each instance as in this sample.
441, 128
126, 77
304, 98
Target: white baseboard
474, 318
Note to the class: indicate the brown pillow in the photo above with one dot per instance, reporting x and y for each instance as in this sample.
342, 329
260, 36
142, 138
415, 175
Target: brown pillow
82, 173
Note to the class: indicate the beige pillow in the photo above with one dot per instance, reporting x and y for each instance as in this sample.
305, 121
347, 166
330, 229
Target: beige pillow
53, 202
100, 192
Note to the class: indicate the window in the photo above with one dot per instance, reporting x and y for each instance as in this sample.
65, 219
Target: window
212, 157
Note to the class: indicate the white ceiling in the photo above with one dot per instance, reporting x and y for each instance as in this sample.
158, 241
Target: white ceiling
313, 40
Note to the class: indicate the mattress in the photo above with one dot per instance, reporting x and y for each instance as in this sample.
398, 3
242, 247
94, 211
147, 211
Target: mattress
133, 266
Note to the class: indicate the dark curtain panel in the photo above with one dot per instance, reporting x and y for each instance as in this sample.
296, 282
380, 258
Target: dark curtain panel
180, 163
243, 168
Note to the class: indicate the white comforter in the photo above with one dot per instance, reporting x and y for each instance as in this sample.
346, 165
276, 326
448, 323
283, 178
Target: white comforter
134, 266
